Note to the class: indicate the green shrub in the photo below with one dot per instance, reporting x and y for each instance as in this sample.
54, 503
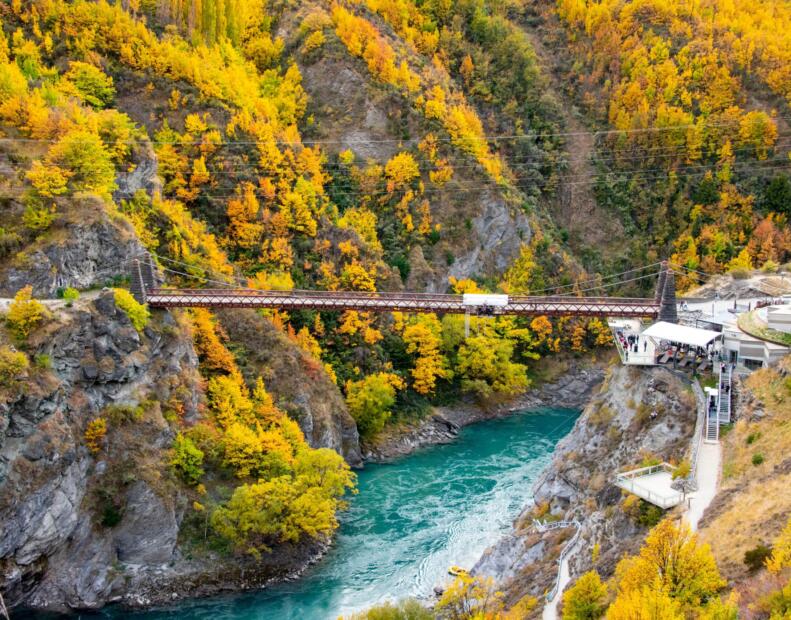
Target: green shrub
758, 458
601, 415
42, 361
683, 470
70, 295
111, 515
117, 415
137, 312
778, 603
643, 413
38, 217
187, 460
9, 242
649, 515
649, 460
12, 365
93, 86
756, 557
770, 266
752, 437
410, 609
586, 599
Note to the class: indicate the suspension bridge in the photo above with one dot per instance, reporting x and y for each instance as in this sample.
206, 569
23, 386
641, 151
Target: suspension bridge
662, 306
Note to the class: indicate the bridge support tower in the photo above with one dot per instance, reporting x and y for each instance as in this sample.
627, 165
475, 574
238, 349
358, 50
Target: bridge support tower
666, 295
142, 278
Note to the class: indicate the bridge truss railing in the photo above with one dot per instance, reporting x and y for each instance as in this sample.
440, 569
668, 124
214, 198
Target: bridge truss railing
404, 302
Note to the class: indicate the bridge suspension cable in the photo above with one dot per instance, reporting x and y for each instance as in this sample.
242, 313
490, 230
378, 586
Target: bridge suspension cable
663, 304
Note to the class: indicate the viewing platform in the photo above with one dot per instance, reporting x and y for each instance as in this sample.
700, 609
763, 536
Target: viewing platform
653, 484
642, 351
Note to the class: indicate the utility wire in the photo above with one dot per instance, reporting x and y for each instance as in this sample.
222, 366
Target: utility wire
523, 136
584, 282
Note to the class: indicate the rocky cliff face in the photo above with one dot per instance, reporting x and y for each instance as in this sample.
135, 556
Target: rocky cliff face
85, 250
68, 517
80, 529
615, 431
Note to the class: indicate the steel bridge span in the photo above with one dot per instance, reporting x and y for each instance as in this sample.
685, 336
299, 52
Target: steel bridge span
662, 306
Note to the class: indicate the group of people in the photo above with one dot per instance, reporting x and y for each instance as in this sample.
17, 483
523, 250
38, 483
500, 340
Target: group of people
631, 343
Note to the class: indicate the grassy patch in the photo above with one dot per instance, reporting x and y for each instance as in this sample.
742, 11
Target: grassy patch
752, 324
755, 502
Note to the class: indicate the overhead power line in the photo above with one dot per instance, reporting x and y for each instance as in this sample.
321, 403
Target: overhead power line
494, 138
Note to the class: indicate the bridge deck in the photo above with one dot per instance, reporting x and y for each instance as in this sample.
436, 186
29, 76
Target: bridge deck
402, 302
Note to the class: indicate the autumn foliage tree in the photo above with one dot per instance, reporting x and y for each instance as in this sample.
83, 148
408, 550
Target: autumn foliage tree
672, 575
423, 337
586, 599
370, 400
25, 313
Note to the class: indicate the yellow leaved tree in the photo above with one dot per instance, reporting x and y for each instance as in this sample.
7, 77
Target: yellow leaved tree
672, 576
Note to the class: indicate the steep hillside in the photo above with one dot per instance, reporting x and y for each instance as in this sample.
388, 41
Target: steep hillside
361, 145
237, 162
690, 107
753, 506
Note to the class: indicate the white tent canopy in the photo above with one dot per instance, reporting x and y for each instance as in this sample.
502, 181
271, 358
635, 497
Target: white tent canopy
692, 336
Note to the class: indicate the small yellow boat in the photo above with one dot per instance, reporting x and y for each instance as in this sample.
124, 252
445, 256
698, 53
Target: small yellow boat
455, 571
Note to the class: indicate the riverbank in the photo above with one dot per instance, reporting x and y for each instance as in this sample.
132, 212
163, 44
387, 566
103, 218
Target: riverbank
567, 384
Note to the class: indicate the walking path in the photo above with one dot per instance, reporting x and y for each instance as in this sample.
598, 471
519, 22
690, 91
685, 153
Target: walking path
709, 458
551, 607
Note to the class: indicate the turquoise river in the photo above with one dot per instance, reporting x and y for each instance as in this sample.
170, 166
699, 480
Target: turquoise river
412, 519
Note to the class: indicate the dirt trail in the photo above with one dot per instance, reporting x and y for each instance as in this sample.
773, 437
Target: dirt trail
575, 208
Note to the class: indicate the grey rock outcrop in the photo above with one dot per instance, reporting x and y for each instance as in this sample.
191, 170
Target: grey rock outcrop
54, 548
88, 251
135, 542
143, 176
498, 232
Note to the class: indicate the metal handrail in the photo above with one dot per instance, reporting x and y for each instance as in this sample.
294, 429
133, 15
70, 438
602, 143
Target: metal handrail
701, 424
567, 549
251, 292
644, 471
543, 526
